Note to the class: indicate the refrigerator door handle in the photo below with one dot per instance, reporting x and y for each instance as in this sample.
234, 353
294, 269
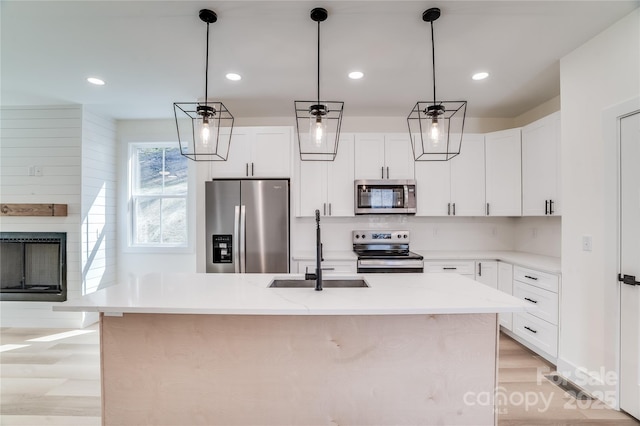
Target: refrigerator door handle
243, 232
236, 239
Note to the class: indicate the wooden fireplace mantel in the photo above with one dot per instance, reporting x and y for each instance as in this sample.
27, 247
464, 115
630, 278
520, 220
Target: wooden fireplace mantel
33, 210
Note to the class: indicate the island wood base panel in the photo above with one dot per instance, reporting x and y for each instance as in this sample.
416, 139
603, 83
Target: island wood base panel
168, 369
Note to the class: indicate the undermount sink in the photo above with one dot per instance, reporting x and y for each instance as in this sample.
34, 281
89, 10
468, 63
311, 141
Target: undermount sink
326, 283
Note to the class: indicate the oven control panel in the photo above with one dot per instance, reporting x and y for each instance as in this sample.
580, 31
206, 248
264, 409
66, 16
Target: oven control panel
380, 237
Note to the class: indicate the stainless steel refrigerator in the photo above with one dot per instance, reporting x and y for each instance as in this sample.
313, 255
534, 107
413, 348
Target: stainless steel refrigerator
247, 225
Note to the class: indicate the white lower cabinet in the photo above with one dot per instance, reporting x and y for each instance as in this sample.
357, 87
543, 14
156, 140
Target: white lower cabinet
505, 284
538, 329
331, 267
487, 272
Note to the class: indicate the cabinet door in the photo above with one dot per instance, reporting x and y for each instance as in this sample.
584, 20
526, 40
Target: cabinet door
369, 156
467, 178
312, 188
505, 284
398, 156
237, 164
340, 187
271, 152
540, 161
487, 272
432, 188
503, 173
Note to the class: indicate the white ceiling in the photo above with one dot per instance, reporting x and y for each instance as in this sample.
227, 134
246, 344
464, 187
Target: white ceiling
151, 53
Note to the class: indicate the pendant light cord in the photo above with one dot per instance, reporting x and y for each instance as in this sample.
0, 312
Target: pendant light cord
433, 62
206, 70
318, 62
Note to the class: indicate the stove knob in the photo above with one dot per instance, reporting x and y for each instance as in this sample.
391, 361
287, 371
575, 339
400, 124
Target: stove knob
357, 236
399, 236
363, 236
406, 236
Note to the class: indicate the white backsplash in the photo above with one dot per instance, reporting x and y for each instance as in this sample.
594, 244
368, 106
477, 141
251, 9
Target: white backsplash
534, 235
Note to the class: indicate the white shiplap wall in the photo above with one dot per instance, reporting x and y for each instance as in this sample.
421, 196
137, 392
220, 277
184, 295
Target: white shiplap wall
51, 138
98, 211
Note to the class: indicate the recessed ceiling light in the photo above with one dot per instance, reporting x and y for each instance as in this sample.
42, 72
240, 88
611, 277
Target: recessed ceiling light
233, 76
356, 75
480, 75
96, 81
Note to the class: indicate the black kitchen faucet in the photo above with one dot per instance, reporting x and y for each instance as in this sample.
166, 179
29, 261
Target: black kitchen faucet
318, 275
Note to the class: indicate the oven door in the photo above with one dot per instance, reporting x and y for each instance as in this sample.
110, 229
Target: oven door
390, 265
385, 196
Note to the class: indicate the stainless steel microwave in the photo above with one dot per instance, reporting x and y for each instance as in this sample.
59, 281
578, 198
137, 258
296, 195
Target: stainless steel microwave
385, 196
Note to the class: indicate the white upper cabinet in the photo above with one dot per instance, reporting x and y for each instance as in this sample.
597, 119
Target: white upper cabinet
503, 173
383, 156
327, 185
257, 152
540, 167
455, 187
467, 178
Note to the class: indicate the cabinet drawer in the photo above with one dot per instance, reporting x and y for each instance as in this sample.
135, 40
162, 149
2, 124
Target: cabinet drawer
536, 278
546, 301
536, 331
458, 267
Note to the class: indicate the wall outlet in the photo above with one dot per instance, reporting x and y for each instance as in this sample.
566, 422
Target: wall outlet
587, 243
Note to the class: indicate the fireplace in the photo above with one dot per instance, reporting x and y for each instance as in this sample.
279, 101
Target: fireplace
33, 266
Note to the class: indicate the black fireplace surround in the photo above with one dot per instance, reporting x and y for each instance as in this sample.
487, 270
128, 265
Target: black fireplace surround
33, 266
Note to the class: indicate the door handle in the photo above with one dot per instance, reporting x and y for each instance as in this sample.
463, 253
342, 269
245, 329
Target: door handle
628, 279
530, 329
324, 209
546, 207
387, 172
479, 269
530, 300
252, 174
487, 209
550, 206
243, 242
448, 209
449, 268
329, 209
236, 240
382, 172
246, 169
454, 209
531, 278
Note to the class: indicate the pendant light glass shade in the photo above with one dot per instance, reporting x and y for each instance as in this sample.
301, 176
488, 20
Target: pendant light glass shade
318, 122
204, 128
436, 127
204, 131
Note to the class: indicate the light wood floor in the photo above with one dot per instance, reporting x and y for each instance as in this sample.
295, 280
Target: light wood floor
57, 382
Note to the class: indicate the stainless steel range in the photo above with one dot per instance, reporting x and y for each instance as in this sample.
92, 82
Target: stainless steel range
385, 251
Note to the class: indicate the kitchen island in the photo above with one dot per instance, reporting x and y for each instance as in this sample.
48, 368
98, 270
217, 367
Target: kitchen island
226, 349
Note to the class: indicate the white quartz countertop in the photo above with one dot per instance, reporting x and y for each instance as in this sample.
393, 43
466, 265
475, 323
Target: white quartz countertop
529, 260
248, 294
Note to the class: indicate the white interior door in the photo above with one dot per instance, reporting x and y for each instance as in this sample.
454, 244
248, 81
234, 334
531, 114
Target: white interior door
630, 264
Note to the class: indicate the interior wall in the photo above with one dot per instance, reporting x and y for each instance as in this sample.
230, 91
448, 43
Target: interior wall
98, 211
601, 73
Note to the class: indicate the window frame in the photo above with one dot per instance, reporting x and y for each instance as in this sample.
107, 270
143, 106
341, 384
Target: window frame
132, 197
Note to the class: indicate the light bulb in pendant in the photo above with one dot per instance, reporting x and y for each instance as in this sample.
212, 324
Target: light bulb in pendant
318, 130
434, 134
205, 132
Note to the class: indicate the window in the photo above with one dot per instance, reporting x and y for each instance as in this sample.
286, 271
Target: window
159, 185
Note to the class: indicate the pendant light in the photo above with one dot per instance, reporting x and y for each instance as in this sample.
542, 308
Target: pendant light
205, 127
436, 127
318, 122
